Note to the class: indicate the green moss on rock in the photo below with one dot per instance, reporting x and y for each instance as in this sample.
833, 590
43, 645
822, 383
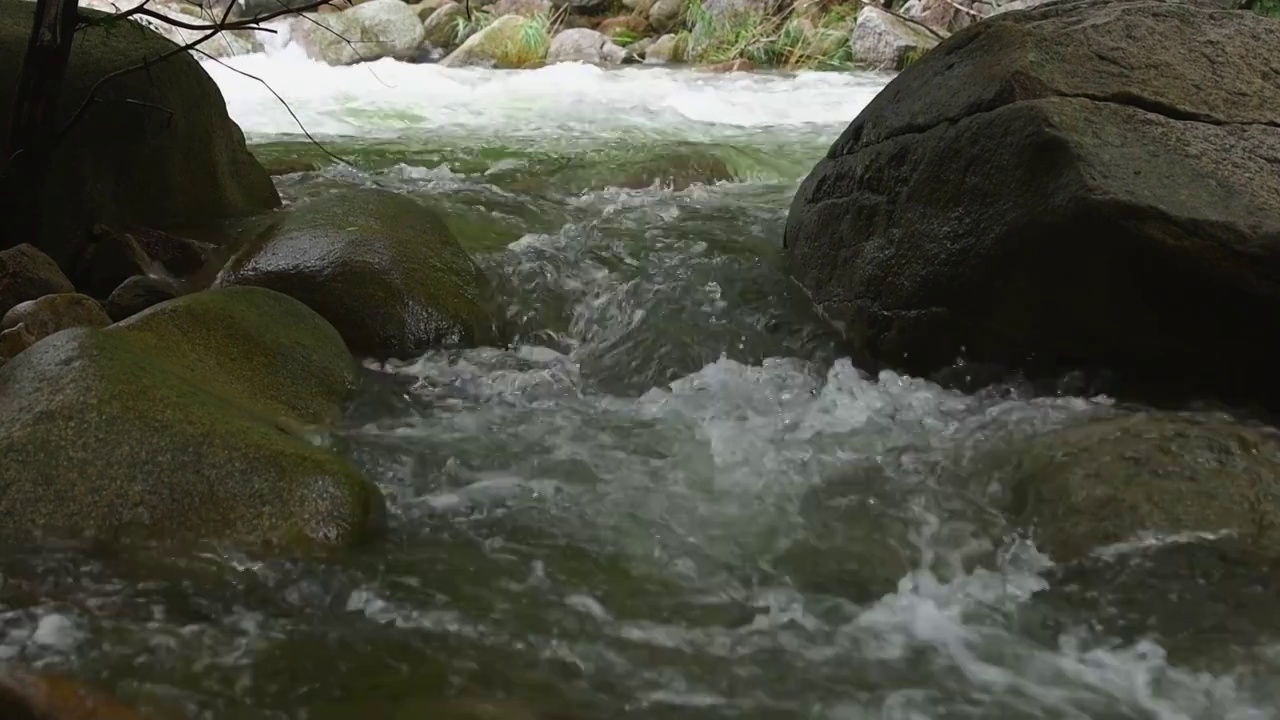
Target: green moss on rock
162, 428
383, 268
254, 345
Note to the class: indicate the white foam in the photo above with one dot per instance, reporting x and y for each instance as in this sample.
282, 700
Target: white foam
388, 97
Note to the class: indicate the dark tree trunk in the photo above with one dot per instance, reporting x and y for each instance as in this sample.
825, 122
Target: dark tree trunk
33, 130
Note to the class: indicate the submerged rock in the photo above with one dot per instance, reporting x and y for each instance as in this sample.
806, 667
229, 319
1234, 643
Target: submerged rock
586, 46
887, 42
1208, 603
26, 274
184, 422
27, 323
368, 31
383, 268
1105, 481
184, 159
1135, 228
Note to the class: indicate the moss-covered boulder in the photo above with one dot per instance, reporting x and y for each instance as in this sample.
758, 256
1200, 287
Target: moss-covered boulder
158, 149
383, 268
503, 44
185, 422
1105, 481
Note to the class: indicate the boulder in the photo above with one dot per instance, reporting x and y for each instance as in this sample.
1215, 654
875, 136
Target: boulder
188, 421
27, 323
523, 8
666, 49
109, 259
157, 150
585, 46
368, 31
726, 10
633, 25
883, 41
139, 293
441, 28
26, 274
501, 44
180, 256
1107, 480
383, 268
1086, 185
666, 15
427, 8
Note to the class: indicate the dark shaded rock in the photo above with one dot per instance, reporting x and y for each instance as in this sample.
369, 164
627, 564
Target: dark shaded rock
109, 259
182, 257
36, 319
384, 269
1088, 185
26, 274
1105, 481
139, 293
155, 148
187, 421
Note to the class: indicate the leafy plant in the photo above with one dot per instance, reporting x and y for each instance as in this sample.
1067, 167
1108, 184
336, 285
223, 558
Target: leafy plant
1267, 8
786, 42
528, 48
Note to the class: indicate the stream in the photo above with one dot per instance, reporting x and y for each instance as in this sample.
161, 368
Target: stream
622, 515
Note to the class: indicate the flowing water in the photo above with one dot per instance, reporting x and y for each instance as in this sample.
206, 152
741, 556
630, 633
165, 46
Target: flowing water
671, 498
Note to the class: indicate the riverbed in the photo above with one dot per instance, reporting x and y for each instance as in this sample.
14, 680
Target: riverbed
620, 515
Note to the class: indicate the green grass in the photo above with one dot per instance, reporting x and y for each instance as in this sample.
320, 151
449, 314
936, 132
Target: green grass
791, 43
1268, 8
528, 49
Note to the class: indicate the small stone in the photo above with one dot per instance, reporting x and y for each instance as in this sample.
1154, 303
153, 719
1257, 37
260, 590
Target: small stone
583, 45
666, 49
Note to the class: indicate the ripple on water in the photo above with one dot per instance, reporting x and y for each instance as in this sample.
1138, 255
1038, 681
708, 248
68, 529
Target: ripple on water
598, 519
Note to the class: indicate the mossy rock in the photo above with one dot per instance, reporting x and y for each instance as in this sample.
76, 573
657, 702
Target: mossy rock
382, 268
156, 148
256, 346
161, 429
1105, 481
500, 44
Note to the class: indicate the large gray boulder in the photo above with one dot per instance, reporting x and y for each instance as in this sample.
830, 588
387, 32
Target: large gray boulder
585, 46
159, 148
368, 31
1087, 185
887, 42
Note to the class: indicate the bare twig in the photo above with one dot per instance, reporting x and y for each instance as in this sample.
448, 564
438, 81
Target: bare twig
293, 115
224, 24
904, 18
